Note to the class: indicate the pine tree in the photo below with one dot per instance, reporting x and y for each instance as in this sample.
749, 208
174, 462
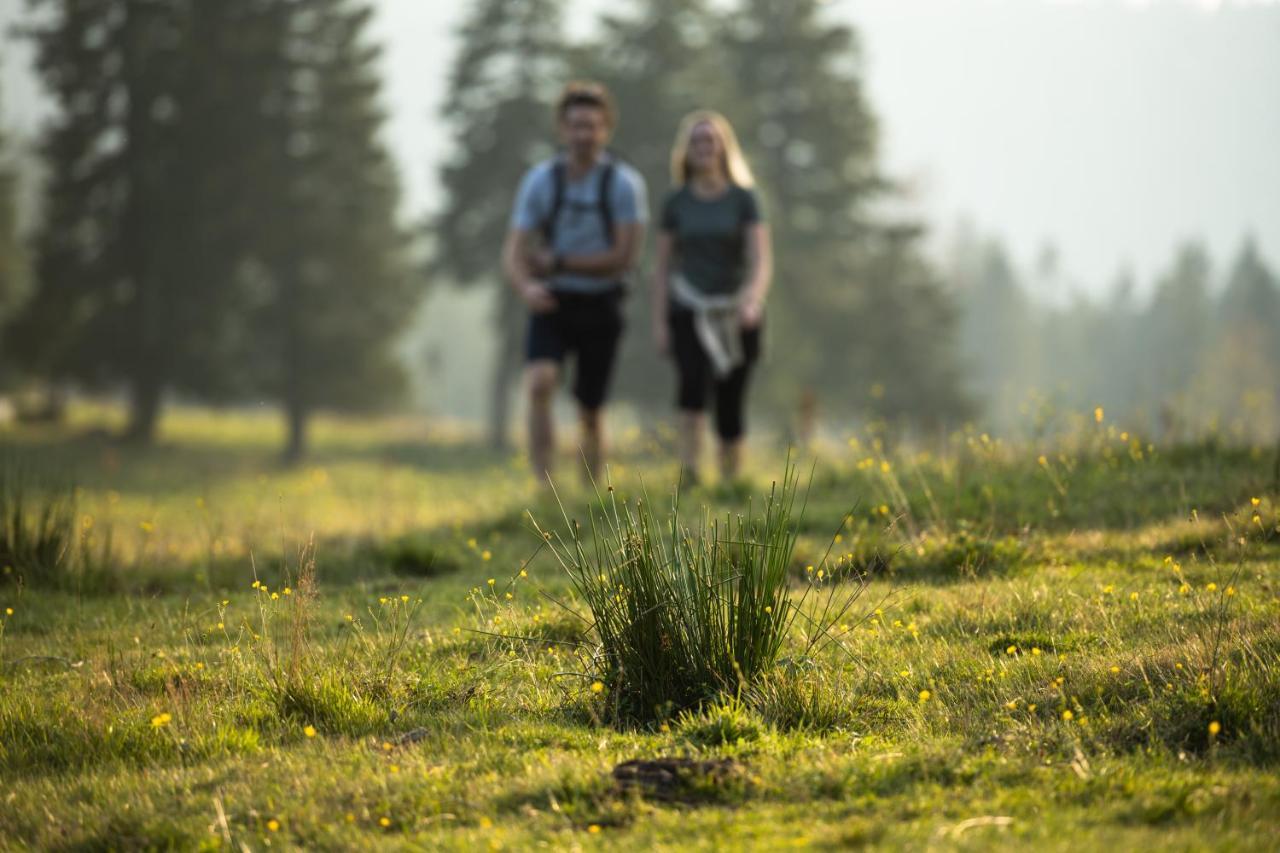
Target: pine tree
661, 60
12, 260
334, 282
142, 232
1240, 373
1250, 305
1178, 335
502, 87
996, 331
866, 342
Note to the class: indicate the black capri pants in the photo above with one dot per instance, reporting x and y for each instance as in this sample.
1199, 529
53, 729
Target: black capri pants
696, 378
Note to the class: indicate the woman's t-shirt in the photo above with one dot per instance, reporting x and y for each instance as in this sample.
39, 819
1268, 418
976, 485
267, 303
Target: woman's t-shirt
709, 236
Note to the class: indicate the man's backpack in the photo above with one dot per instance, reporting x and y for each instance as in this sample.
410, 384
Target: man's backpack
559, 177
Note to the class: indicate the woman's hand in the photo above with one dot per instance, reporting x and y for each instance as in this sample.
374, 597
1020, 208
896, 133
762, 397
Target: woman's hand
751, 312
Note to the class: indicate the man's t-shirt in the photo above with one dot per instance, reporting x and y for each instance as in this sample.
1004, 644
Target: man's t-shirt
709, 236
579, 227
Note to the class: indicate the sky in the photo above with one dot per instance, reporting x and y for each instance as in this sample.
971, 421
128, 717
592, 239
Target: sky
1111, 129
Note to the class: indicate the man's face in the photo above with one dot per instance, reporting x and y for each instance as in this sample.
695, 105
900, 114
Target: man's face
585, 131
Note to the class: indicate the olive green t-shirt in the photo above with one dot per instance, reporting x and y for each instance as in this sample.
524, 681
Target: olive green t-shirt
709, 236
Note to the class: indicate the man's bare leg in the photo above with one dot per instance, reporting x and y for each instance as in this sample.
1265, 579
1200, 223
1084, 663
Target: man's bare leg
730, 459
592, 423
691, 426
541, 379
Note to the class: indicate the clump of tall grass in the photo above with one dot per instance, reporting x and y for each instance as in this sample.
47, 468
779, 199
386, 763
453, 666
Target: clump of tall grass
37, 533
346, 689
686, 614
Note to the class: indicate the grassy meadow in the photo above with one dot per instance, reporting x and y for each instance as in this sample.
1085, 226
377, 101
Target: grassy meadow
1068, 644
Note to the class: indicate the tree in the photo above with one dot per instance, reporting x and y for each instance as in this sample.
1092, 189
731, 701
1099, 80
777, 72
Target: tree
661, 60
863, 318
12, 259
142, 229
1177, 327
502, 87
329, 259
1250, 306
996, 330
1240, 373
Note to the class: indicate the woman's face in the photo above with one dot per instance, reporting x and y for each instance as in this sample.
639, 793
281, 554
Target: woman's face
706, 149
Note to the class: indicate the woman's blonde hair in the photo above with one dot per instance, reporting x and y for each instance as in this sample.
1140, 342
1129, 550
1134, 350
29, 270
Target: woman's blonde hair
735, 164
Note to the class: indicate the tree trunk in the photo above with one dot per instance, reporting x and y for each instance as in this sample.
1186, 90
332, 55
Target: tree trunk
298, 416
144, 410
506, 366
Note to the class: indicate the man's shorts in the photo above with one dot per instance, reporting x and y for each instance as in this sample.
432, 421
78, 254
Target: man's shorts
590, 327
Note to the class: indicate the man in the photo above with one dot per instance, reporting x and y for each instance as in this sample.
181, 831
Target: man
575, 232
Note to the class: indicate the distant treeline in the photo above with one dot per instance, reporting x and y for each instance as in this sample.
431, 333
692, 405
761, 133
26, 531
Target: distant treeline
1200, 353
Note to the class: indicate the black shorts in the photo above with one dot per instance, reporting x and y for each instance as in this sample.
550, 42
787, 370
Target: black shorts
695, 377
587, 325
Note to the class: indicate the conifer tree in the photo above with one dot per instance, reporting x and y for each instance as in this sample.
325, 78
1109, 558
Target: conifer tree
331, 259
143, 227
846, 273
12, 260
510, 66
661, 60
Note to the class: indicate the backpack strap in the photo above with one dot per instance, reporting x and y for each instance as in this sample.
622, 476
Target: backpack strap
557, 201
604, 200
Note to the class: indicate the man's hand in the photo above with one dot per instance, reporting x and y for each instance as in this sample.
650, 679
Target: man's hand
542, 262
538, 297
750, 313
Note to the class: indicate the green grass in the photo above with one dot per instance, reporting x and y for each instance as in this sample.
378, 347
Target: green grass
1068, 653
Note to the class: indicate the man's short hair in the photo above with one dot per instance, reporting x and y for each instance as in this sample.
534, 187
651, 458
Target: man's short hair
586, 93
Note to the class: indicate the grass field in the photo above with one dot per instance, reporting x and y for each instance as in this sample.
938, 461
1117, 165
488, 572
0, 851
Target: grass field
1070, 645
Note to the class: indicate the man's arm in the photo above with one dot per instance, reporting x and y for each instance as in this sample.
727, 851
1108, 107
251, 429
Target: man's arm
621, 256
515, 266
630, 204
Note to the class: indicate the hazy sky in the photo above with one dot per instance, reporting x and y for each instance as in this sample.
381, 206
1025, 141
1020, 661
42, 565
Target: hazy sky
1113, 129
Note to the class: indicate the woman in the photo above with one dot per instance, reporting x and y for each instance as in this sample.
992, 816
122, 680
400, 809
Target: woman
712, 273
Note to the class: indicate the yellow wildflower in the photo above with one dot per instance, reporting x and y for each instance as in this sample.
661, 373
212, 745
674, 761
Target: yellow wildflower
160, 720
309, 731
